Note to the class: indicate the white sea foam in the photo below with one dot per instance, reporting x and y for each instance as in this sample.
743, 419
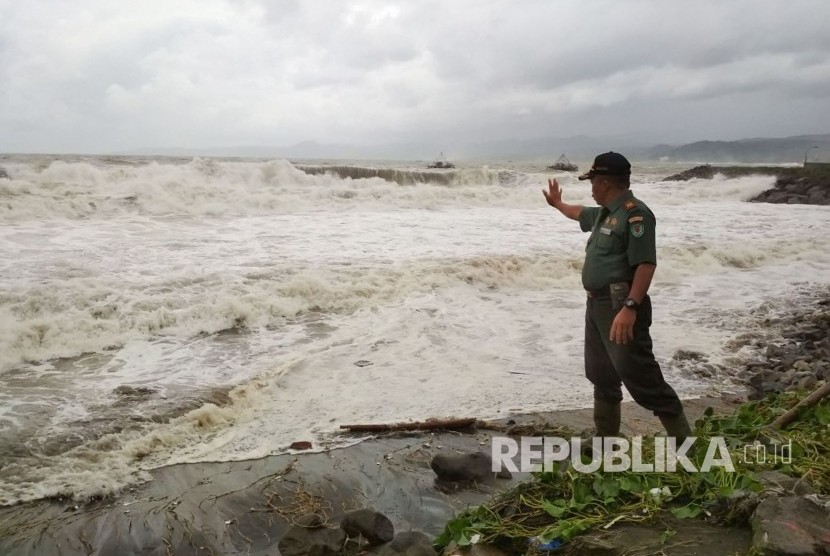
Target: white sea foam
81, 190
120, 320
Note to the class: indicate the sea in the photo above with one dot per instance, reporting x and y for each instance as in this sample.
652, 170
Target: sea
158, 311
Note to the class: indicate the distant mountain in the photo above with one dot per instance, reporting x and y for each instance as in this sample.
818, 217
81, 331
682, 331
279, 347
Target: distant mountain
759, 150
578, 147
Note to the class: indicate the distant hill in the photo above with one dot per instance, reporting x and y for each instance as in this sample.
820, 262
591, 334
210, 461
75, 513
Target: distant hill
578, 147
762, 150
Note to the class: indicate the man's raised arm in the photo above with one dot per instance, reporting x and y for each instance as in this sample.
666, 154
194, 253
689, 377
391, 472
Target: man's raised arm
553, 195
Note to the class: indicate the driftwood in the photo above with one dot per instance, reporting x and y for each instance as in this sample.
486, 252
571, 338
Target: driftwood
429, 424
816, 396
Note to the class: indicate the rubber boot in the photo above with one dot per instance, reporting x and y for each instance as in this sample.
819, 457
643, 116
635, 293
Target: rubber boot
676, 426
606, 423
607, 417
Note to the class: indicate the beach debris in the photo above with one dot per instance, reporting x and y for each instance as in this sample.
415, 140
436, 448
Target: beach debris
429, 424
542, 545
301, 445
373, 526
363, 363
660, 494
816, 396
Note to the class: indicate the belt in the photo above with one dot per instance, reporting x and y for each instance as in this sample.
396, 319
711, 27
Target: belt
604, 291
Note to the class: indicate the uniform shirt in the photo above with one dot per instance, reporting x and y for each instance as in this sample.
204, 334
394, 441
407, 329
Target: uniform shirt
622, 236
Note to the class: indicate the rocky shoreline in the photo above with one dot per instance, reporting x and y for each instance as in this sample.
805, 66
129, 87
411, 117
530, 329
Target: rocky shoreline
809, 186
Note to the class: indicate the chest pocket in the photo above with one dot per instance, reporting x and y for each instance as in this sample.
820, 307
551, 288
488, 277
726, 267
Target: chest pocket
604, 240
609, 240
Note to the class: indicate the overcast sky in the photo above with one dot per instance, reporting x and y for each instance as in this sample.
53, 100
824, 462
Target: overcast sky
100, 76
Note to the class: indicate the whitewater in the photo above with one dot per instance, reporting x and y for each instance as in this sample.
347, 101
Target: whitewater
163, 311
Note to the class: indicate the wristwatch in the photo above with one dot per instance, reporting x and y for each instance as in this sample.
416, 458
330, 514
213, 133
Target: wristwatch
631, 304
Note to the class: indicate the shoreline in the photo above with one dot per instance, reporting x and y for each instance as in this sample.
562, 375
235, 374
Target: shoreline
246, 507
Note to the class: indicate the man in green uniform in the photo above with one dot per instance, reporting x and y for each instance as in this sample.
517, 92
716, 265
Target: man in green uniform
620, 259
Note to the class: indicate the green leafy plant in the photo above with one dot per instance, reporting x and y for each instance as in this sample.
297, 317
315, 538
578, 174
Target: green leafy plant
560, 505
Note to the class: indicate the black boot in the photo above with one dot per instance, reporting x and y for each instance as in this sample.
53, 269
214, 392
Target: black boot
606, 417
676, 426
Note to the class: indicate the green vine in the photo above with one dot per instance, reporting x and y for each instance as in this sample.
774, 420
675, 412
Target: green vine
559, 506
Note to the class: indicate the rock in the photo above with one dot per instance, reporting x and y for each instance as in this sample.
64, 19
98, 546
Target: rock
688, 355
756, 364
801, 365
702, 172
771, 388
412, 543
765, 376
791, 190
789, 360
301, 445
475, 467
790, 526
806, 383
134, 392
818, 198
775, 197
312, 541
373, 526
776, 480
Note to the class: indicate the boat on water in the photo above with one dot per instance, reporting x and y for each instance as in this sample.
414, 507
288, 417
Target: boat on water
562, 163
441, 162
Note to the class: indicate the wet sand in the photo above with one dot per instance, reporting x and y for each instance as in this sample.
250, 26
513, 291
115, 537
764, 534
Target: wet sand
245, 507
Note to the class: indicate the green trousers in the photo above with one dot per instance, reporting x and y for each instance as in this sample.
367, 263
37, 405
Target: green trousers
609, 366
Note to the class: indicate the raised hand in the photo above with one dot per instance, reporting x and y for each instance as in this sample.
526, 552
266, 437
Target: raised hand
553, 195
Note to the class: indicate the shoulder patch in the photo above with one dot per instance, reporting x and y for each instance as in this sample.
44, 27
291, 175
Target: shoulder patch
635, 219
630, 205
638, 229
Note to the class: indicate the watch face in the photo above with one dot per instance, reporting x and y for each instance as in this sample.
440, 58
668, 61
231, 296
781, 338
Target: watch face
630, 303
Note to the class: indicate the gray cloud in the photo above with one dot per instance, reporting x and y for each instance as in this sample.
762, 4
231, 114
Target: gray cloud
96, 76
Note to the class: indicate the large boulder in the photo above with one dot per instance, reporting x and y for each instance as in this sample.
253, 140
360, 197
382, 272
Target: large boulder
790, 526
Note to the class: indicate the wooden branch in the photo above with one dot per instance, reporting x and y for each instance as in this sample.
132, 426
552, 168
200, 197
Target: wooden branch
429, 424
816, 396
